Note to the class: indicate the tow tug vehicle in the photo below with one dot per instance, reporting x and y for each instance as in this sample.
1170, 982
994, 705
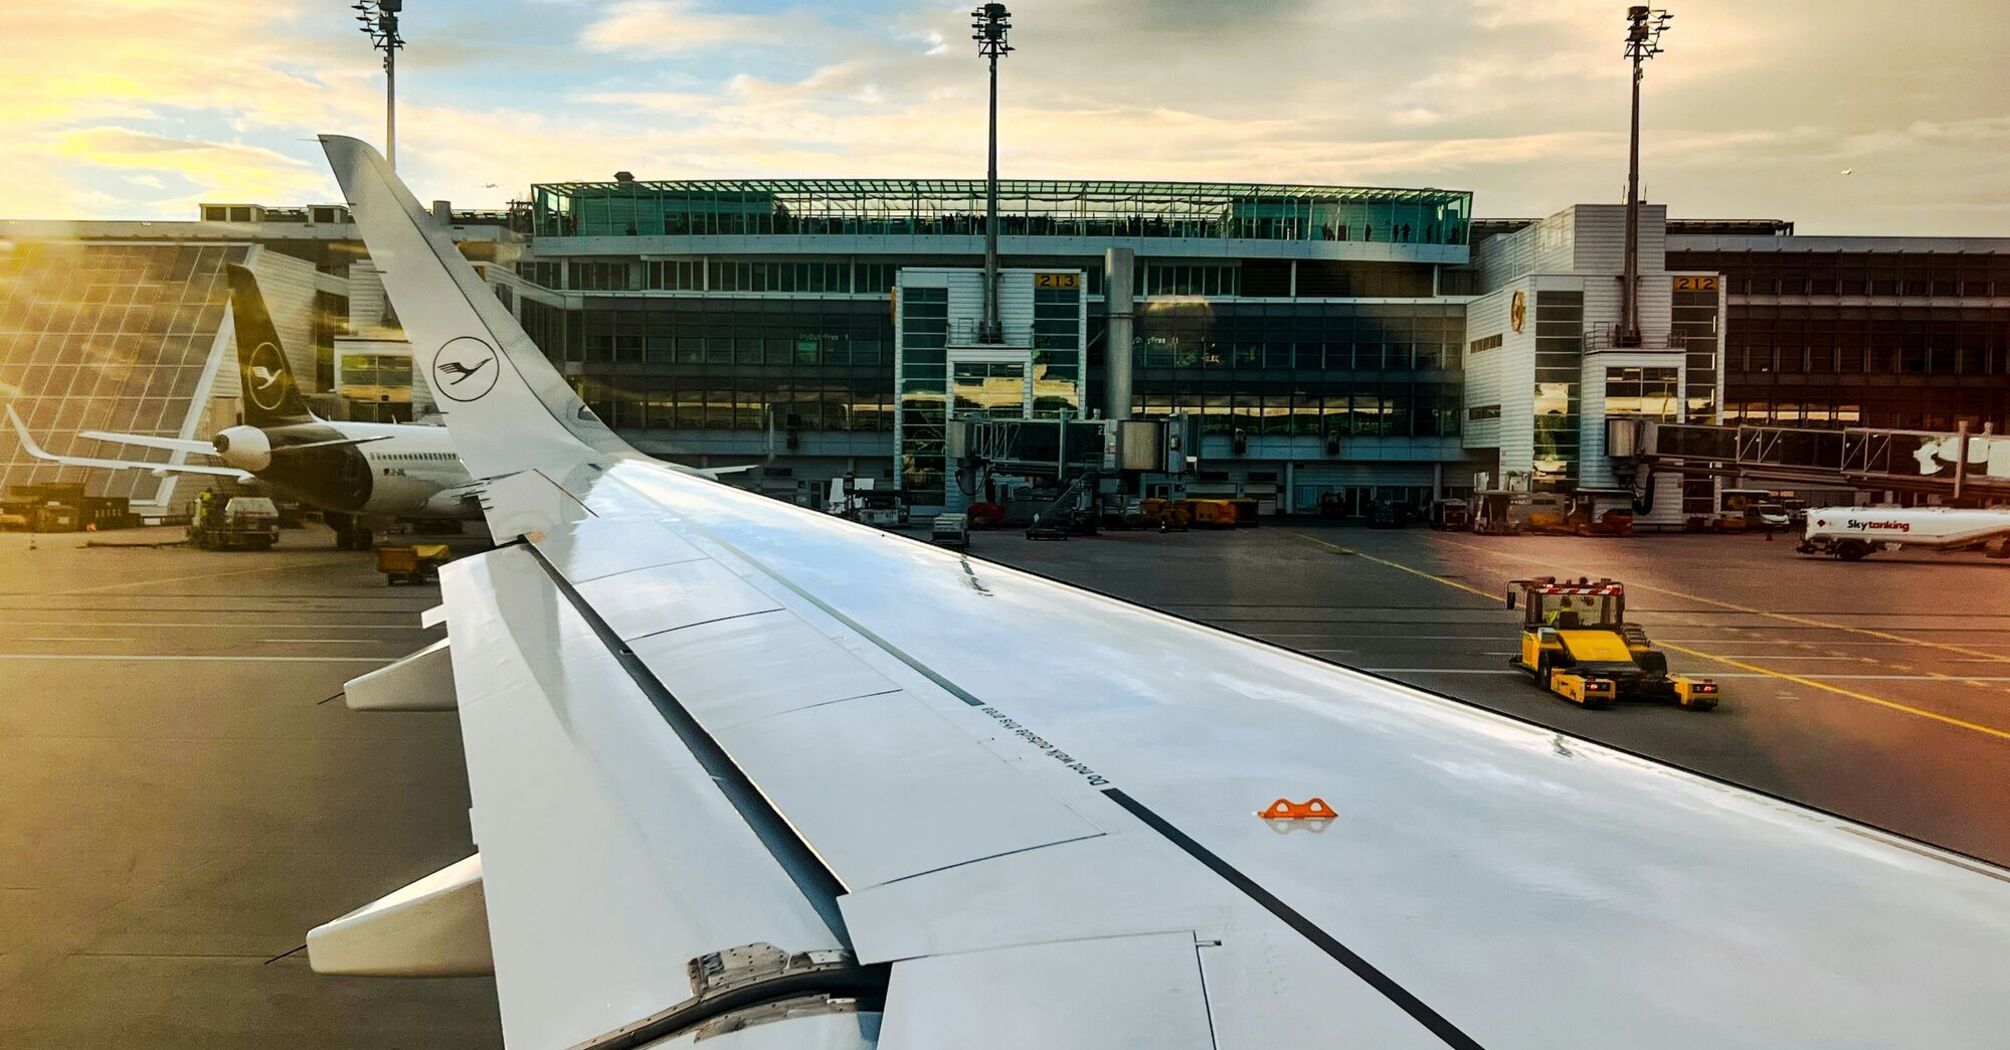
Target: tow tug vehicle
1576, 643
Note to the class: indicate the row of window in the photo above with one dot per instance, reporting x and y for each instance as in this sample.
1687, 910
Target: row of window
1883, 360
1906, 274
1925, 410
1386, 410
632, 211
736, 403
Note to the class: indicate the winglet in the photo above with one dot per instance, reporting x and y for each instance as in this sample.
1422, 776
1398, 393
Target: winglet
28, 444
508, 409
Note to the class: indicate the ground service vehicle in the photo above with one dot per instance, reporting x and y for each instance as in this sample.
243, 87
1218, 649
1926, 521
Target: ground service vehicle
1854, 533
1211, 513
1450, 515
1736, 509
950, 530
243, 523
1494, 513
1385, 514
1165, 514
1576, 642
417, 563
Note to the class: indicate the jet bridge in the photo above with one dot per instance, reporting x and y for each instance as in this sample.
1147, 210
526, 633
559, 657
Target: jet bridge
1956, 465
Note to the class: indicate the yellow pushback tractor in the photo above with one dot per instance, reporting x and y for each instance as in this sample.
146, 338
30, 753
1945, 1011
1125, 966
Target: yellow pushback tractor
1577, 644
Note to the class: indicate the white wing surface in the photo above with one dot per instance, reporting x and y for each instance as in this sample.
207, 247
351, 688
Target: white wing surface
969, 807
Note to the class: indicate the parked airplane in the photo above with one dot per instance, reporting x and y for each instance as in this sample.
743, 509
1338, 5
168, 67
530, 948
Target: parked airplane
746, 775
362, 475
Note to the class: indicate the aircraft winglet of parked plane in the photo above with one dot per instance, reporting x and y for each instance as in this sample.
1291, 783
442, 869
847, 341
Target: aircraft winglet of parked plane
361, 474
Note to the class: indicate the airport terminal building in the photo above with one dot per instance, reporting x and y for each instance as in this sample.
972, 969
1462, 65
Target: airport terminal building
1319, 343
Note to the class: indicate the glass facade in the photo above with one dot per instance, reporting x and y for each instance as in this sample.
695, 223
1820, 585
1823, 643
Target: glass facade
724, 364
911, 207
1559, 371
1904, 339
1653, 393
106, 337
922, 375
1330, 370
1694, 328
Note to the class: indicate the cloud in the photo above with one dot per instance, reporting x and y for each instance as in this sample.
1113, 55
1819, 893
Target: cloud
136, 108
668, 27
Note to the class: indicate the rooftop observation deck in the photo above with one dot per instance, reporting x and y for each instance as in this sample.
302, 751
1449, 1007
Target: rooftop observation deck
952, 208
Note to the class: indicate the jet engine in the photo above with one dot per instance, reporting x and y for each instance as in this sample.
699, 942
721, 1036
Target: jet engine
246, 448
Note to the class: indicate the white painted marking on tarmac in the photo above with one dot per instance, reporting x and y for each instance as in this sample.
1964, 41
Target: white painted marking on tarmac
228, 659
71, 638
332, 641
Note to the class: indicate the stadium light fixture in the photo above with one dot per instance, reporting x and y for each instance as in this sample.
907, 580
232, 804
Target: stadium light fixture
990, 24
1644, 26
378, 19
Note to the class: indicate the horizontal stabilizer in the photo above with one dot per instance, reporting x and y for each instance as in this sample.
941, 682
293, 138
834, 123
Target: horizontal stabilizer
423, 681
148, 441
435, 927
29, 446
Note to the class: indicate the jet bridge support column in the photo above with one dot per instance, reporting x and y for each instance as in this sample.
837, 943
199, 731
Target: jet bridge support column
1118, 267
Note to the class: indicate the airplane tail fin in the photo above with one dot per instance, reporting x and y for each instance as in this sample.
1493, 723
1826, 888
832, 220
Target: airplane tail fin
271, 396
508, 408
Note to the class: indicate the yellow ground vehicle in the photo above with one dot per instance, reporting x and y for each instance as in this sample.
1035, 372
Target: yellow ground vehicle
1212, 513
1576, 642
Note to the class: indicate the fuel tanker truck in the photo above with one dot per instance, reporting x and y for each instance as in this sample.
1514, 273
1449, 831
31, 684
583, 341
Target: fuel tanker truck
1854, 533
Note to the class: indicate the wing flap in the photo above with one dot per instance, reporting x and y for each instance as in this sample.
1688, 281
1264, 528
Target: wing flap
1142, 991
885, 789
587, 550
612, 858
797, 668
666, 597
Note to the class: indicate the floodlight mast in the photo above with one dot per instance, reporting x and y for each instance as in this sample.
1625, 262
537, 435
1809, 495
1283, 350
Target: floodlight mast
378, 19
1644, 27
991, 22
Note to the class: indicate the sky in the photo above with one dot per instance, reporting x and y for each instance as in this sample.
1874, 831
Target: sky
1847, 116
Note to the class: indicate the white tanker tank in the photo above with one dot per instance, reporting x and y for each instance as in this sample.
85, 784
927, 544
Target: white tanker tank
1853, 533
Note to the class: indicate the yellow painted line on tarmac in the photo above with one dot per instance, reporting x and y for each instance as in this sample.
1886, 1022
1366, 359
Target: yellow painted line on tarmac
1502, 597
1734, 607
1894, 705
1851, 693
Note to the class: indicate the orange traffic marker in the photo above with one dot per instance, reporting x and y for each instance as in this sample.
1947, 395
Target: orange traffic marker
1314, 808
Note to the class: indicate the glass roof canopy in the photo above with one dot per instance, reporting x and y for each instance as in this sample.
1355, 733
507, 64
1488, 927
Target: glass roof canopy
1026, 208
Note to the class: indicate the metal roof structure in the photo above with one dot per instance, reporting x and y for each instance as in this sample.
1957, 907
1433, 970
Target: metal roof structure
1048, 189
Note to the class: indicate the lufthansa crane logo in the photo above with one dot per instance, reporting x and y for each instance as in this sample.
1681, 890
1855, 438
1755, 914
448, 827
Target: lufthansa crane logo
464, 369
1518, 310
265, 377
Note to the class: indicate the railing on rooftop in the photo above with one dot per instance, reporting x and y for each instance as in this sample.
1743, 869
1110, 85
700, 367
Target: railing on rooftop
1027, 208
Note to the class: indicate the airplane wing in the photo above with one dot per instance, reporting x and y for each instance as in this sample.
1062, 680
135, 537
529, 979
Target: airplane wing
149, 441
37, 451
747, 774
331, 443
